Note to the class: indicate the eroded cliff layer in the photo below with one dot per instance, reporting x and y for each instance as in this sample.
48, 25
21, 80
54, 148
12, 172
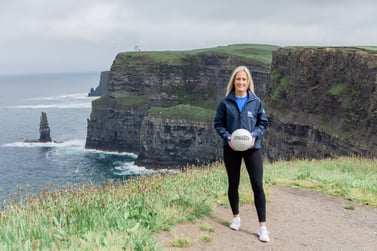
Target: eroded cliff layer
174, 141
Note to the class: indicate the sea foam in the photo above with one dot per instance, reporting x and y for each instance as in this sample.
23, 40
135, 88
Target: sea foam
65, 101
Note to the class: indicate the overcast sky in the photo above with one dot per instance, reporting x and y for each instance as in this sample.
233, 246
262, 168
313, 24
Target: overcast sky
39, 36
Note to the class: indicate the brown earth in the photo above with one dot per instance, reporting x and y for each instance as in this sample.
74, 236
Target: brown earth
297, 220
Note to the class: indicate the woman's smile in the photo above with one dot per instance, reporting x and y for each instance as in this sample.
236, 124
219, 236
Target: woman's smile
241, 84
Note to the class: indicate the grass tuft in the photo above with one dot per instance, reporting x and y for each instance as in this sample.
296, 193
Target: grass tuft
206, 238
181, 243
207, 228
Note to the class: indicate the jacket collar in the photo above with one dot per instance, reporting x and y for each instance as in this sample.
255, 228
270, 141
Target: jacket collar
232, 96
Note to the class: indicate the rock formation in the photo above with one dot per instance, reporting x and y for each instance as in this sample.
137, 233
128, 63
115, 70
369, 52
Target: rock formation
101, 89
44, 131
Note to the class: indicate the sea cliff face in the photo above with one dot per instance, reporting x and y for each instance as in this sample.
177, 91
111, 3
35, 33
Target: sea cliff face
121, 121
166, 142
321, 102
114, 126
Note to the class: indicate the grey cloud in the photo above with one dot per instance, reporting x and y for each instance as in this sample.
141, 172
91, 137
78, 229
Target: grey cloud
52, 35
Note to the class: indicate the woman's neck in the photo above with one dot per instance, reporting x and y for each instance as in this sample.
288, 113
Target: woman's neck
240, 94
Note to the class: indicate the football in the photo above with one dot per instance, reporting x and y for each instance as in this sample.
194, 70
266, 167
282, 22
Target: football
241, 139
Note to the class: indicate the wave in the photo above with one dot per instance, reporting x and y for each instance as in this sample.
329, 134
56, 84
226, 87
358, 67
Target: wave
58, 106
132, 155
74, 153
78, 144
65, 97
130, 169
65, 101
69, 143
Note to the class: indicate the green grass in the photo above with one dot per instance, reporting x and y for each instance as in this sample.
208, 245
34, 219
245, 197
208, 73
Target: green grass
114, 216
350, 207
125, 101
370, 48
125, 216
281, 89
206, 238
188, 112
257, 52
336, 90
207, 228
181, 243
351, 178
132, 100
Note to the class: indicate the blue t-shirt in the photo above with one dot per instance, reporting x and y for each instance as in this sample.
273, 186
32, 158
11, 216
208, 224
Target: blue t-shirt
241, 102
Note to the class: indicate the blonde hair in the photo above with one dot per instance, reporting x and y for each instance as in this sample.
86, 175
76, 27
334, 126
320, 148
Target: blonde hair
230, 85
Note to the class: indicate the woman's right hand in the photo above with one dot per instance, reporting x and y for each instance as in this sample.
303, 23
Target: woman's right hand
230, 143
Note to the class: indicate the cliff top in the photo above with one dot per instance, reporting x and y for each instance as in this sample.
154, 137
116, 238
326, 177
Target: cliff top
347, 48
258, 52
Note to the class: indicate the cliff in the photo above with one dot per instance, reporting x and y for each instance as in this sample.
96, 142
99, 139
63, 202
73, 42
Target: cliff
147, 93
321, 102
173, 140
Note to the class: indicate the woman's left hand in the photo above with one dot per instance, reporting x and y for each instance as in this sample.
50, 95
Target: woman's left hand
252, 140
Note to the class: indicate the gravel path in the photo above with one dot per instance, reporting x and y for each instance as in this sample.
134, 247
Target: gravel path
297, 220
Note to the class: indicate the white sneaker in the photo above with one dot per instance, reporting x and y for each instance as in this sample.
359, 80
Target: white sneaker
236, 223
263, 234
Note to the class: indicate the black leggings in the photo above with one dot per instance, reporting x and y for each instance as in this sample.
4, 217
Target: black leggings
254, 164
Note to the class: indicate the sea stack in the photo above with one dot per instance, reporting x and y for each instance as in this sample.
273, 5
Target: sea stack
44, 129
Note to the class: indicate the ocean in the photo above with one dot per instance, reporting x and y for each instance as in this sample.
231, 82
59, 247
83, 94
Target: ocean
30, 167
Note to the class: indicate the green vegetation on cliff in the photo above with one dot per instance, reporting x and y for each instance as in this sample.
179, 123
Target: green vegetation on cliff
281, 88
258, 52
186, 112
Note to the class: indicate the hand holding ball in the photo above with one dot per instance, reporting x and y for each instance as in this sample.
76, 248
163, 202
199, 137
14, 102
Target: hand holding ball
241, 140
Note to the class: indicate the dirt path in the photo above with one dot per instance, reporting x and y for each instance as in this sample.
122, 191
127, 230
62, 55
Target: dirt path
297, 220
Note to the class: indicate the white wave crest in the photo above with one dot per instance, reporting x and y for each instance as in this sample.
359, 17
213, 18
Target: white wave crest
132, 155
129, 169
78, 144
66, 101
70, 143
72, 105
65, 97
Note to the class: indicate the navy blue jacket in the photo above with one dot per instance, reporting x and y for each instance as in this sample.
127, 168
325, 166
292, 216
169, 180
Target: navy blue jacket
229, 118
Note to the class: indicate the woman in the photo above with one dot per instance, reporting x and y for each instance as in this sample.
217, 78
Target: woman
241, 108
